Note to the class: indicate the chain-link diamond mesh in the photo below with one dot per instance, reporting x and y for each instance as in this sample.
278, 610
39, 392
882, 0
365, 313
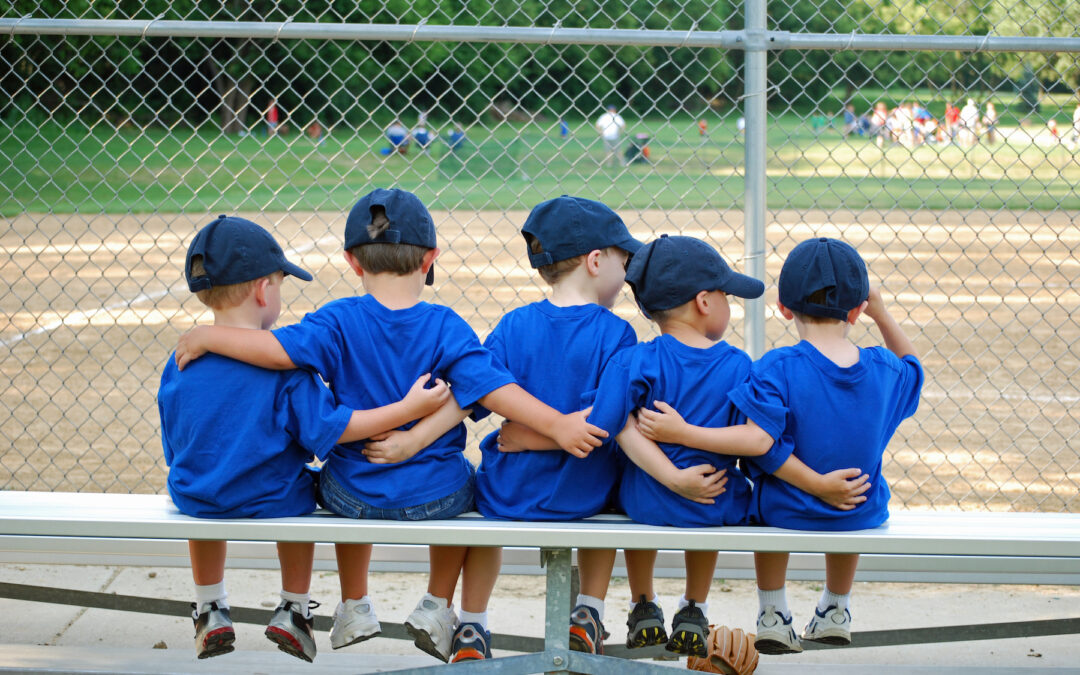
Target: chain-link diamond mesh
116, 148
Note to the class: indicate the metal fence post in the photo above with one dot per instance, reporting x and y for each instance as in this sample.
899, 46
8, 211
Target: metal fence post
754, 109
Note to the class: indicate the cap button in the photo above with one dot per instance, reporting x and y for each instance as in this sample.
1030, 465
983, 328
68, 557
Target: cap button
663, 236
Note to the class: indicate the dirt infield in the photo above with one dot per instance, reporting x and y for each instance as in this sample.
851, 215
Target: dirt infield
94, 305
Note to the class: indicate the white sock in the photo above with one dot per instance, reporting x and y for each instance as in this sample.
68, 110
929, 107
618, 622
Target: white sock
301, 599
654, 600
594, 603
830, 599
777, 599
703, 606
473, 617
204, 595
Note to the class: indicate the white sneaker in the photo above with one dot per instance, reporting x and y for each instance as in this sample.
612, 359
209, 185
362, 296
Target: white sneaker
432, 627
831, 627
354, 621
775, 634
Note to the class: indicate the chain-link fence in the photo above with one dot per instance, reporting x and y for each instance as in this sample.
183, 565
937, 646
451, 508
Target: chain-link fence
938, 137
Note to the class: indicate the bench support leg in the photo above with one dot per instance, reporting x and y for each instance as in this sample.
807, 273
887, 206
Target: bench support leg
557, 612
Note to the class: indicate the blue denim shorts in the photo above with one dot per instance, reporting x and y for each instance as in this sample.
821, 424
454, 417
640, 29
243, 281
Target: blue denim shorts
333, 497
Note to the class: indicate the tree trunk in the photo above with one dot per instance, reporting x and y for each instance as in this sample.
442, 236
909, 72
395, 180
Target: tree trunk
234, 96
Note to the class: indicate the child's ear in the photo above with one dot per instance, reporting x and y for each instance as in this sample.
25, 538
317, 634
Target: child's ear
354, 264
701, 301
429, 259
784, 311
853, 315
592, 262
260, 291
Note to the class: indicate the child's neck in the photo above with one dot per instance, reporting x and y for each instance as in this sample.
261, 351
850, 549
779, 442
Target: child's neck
240, 316
831, 339
687, 332
574, 289
394, 291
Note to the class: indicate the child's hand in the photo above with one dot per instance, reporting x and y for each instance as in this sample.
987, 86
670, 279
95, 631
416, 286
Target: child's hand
843, 489
391, 447
875, 306
189, 347
700, 483
576, 436
663, 426
513, 437
424, 401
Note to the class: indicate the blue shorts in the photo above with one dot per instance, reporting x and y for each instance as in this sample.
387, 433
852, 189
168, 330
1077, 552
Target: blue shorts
333, 497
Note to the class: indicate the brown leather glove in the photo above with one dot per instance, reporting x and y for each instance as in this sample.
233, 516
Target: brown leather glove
731, 652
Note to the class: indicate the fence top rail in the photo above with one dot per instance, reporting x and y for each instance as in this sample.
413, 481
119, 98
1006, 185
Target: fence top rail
908, 532
727, 39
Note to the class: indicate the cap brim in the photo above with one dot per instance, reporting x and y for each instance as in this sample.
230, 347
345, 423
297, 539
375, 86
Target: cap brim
430, 279
296, 271
742, 286
630, 245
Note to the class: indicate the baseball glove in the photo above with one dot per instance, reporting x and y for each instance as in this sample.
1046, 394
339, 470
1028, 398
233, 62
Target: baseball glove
731, 652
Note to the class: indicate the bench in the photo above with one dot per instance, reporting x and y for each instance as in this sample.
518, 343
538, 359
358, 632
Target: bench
974, 536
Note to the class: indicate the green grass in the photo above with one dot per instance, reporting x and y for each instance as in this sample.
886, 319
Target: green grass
78, 169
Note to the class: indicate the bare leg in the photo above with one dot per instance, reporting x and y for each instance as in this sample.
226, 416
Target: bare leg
771, 570
478, 577
207, 561
639, 573
700, 566
297, 559
353, 561
840, 571
594, 570
445, 568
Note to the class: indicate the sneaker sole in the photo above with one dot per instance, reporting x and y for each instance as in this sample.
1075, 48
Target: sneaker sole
218, 642
836, 639
582, 643
468, 655
356, 640
773, 647
647, 637
422, 640
287, 643
687, 641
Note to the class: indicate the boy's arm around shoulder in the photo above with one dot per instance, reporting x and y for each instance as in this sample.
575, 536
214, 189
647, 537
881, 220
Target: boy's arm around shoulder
420, 401
666, 425
571, 431
250, 345
397, 445
842, 489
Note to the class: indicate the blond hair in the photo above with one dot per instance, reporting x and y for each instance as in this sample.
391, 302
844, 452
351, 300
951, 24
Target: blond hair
229, 295
557, 270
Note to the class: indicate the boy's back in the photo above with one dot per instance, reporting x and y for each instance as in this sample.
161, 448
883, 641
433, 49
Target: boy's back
831, 418
696, 382
556, 353
371, 355
236, 437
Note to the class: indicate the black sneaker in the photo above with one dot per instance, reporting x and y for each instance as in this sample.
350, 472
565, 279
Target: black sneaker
292, 632
214, 634
645, 625
689, 632
586, 630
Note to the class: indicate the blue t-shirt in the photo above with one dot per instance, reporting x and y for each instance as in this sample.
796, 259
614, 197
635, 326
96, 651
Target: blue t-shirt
236, 437
556, 354
831, 418
695, 382
371, 356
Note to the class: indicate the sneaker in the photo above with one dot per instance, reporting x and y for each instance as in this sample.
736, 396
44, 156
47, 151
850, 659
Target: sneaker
291, 631
832, 627
775, 634
354, 621
471, 643
646, 625
214, 634
689, 632
586, 630
432, 627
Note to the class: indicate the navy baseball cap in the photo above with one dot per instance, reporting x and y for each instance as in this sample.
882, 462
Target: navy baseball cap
571, 226
670, 271
235, 250
410, 222
824, 264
